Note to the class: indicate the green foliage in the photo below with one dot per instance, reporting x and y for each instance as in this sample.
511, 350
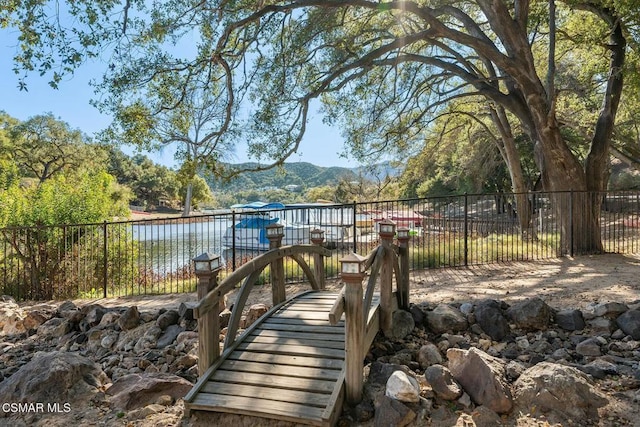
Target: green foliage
201, 193
85, 198
462, 154
43, 147
149, 182
35, 238
9, 174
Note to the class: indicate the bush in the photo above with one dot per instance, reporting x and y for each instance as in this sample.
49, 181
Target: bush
40, 259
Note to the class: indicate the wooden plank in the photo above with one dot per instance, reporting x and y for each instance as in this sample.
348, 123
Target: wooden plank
312, 302
334, 406
274, 381
292, 350
301, 334
318, 400
317, 295
291, 313
316, 308
287, 360
285, 370
259, 408
292, 326
301, 341
227, 350
316, 325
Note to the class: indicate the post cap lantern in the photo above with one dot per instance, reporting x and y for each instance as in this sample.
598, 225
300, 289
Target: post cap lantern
317, 235
387, 228
275, 230
206, 263
352, 264
403, 233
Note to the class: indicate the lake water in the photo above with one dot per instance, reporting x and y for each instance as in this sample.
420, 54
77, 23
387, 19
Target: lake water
167, 247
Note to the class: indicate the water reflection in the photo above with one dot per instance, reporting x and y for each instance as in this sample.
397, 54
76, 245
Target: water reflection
167, 247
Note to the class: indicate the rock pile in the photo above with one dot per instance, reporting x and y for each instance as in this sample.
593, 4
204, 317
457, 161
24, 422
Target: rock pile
61, 357
493, 363
484, 362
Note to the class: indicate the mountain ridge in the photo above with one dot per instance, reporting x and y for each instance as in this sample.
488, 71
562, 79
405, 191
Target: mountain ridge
304, 174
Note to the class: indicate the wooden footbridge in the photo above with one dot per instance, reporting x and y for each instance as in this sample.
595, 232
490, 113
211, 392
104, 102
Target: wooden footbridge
304, 358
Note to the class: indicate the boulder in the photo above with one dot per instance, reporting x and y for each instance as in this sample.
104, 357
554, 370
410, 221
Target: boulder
602, 325
11, 317
36, 316
169, 335
610, 310
589, 347
130, 319
570, 320
532, 314
139, 390
561, 393
54, 377
442, 382
253, 314
485, 417
402, 387
629, 322
429, 355
93, 314
417, 313
402, 324
490, 318
482, 377
391, 412
445, 318
54, 328
69, 311
377, 375
600, 368
168, 318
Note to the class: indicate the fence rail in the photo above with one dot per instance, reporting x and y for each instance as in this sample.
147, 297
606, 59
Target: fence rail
154, 256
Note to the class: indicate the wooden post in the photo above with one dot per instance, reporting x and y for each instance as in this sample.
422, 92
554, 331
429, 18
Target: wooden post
403, 250
317, 238
208, 325
275, 234
354, 337
387, 232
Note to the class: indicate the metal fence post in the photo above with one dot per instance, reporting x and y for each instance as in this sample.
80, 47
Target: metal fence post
466, 230
105, 262
571, 223
355, 227
233, 240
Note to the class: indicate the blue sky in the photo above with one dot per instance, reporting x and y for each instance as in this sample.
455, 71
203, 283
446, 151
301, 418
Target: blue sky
70, 103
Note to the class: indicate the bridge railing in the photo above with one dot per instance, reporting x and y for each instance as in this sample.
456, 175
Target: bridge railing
211, 294
361, 323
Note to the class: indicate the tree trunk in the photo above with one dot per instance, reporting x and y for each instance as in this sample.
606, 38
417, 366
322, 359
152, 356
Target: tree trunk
512, 159
187, 200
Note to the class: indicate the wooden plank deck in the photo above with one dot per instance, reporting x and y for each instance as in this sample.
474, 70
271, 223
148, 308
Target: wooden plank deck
289, 366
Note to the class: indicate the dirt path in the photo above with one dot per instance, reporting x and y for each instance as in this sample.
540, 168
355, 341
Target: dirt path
566, 282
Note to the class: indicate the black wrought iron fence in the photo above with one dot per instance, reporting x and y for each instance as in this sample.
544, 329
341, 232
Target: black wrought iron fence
154, 256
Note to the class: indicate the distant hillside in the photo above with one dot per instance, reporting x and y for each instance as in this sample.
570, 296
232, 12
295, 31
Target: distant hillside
299, 173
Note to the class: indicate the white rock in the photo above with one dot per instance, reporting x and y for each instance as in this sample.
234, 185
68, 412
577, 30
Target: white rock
402, 387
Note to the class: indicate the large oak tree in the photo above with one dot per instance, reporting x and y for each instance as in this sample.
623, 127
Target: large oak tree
381, 68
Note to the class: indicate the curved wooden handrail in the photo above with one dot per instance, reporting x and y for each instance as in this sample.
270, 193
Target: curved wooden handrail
313, 280
238, 307
374, 262
258, 263
373, 275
